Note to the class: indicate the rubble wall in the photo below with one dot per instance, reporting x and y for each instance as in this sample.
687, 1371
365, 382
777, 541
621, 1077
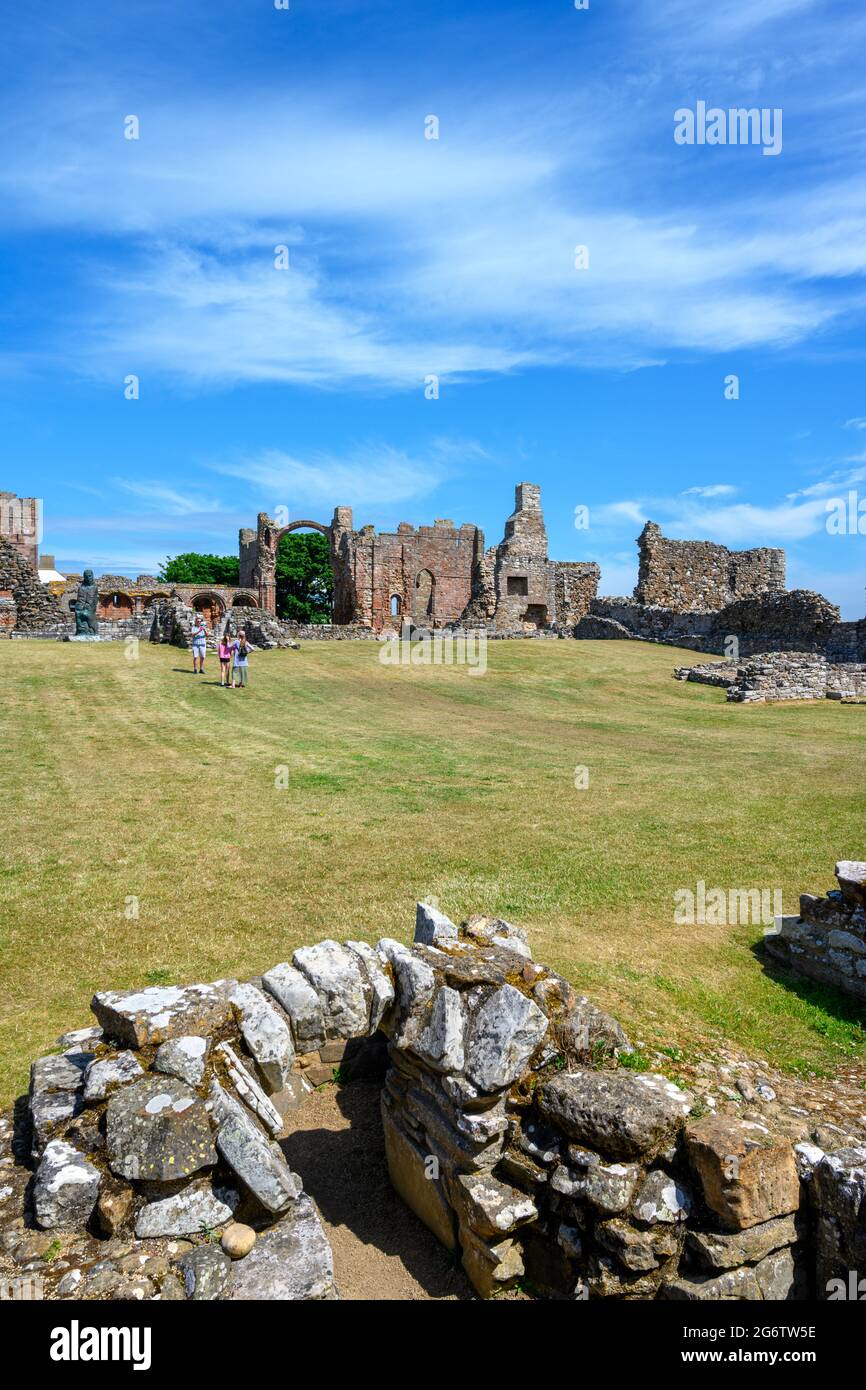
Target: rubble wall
514, 1125
699, 575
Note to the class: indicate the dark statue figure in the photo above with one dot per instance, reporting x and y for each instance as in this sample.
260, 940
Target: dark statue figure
84, 607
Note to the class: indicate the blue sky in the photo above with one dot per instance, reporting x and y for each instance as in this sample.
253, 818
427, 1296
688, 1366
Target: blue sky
304, 388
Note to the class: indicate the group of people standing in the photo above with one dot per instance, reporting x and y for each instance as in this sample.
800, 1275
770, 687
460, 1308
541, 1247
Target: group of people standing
234, 656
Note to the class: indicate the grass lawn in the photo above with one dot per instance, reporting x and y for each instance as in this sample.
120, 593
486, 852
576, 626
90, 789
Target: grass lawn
133, 779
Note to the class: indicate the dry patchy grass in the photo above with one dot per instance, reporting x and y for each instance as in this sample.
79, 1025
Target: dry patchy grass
134, 778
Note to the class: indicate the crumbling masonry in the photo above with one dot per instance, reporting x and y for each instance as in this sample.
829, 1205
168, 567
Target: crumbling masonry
513, 1127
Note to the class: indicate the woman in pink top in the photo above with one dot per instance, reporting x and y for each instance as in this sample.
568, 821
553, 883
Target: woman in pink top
226, 649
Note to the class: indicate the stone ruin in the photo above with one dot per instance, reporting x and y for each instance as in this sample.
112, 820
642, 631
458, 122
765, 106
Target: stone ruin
435, 576
698, 576
781, 676
827, 941
514, 1127
26, 605
691, 594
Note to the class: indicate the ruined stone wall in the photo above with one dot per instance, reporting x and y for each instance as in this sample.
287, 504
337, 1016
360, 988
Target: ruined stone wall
438, 575
701, 576
575, 586
428, 571
19, 525
796, 620
35, 607
513, 1125
517, 590
781, 676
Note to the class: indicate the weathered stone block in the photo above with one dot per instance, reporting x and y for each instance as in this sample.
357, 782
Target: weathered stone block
337, 977
296, 996
291, 1260
621, 1114
66, 1188
139, 1018
747, 1175
266, 1034
158, 1130
188, 1212
414, 1176
502, 1036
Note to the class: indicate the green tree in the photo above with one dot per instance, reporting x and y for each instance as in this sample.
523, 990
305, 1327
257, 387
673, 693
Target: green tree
192, 568
305, 583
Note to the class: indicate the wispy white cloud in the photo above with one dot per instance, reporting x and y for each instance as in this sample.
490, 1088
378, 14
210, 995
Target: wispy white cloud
711, 490
167, 499
371, 475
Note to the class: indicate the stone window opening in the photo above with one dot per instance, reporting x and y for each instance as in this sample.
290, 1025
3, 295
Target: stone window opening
425, 586
518, 586
396, 605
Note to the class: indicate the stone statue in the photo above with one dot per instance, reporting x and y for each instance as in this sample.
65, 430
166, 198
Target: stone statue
84, 607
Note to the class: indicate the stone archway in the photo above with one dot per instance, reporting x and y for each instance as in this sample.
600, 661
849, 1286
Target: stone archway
211, 607
267, 547
304, 573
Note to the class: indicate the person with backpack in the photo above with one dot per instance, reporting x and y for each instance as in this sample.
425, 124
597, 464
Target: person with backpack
241, 650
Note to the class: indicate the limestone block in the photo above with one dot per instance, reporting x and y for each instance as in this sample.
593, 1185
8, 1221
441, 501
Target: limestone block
267, 1035
107, 1074
503, 1035
140, 1018
260, 1165
415, 1177
66, 1188
432, 927
441, 1043
188, 1212
158, 1130
336, 975
184, 1058
296, 996
292, 1260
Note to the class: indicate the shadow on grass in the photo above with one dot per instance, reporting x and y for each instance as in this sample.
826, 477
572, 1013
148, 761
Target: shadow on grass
838, 1010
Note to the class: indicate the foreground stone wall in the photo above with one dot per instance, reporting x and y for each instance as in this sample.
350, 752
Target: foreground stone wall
514, 1126
827, 941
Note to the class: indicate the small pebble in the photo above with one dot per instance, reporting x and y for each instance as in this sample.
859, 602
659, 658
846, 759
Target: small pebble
238, 1240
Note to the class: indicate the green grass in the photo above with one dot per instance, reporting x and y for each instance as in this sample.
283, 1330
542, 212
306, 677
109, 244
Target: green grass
127, 779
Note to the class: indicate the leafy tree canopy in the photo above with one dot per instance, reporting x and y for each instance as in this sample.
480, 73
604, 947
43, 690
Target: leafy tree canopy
191, 568
305, 583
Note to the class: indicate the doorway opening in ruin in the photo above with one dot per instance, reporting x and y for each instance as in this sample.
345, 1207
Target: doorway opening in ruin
536, 614
211, 608
304, 575
425, 586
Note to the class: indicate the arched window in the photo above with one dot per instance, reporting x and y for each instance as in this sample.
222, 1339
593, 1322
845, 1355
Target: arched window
396, 606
